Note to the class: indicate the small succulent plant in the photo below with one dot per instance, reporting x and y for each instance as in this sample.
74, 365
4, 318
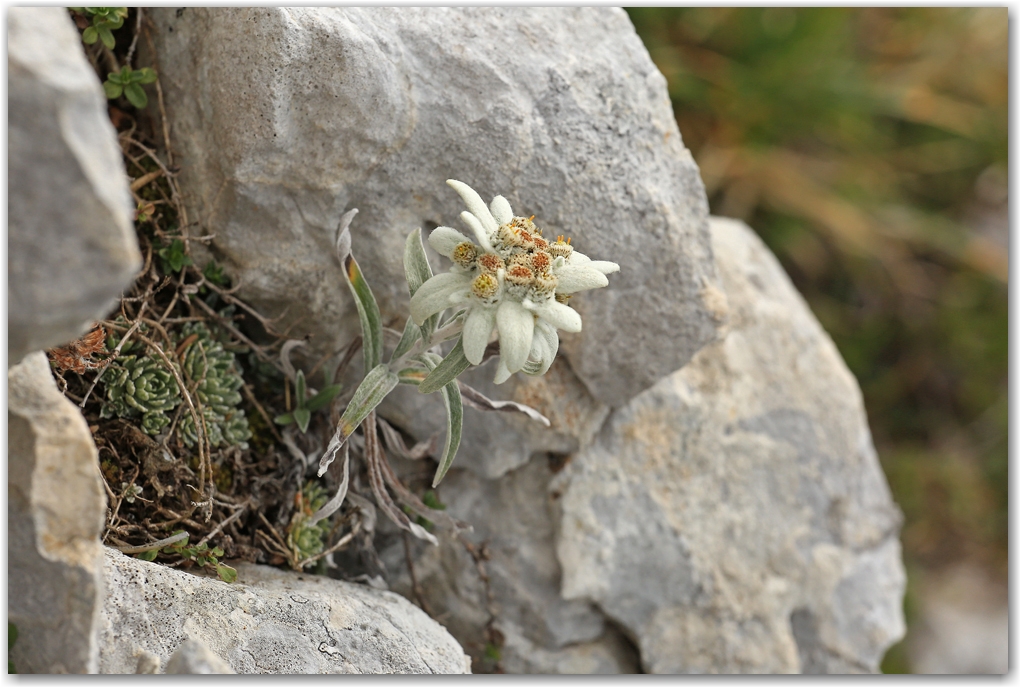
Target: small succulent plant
308, 540
141, 386
206, 362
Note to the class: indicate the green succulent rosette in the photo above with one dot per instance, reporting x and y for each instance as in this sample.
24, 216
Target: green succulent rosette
208, 363
141, 386
304, 539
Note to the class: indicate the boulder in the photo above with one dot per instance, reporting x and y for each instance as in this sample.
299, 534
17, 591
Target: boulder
72, 247
734, 517
56, 507
282, 118
269, 621
731, 519
514, 520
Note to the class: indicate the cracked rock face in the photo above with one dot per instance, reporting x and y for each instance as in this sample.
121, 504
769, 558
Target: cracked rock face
269, 621
282, 118
734, 517
72, 247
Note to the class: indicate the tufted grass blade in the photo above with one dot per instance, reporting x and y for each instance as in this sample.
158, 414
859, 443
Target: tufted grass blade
454, 418
368, 309
417, 271
370, 393
446, 371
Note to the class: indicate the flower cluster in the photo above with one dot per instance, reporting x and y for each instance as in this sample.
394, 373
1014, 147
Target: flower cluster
509, 278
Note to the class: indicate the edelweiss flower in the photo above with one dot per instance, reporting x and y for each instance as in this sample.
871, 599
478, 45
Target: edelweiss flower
511, 278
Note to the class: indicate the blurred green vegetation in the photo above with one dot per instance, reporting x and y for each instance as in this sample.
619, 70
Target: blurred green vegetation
868, 148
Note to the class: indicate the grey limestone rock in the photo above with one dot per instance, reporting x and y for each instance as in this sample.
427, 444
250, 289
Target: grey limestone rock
194, 657
269, 621
282, 118
734, 517
514, 521
55, 512
72, 249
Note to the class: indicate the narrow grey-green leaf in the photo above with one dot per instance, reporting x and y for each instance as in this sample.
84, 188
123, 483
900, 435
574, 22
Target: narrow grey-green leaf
454, 422
417, 271
368, 313
379, 382
299, 391
407, 341
446, 371
368, 309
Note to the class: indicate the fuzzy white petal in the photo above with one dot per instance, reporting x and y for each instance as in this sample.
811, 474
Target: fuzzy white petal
544, 330
557, 314
501, 210
576, 258
502, 374
603, 266
437, 294
516, 328
477, 229
474, 203
445, 239
477, 327
574, 278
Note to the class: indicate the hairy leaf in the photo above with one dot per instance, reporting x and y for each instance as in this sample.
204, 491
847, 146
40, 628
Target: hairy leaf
407, 340
454, 418
368, 309
446, 371
417, 271
379, 382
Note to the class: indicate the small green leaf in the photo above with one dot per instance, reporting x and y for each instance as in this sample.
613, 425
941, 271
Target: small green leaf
106, 36
136, 95
322, 399
214, 273
447, 371
300, 390
417, 271
112, 89
12, 634
379, 382
90, 35
226, 573
146, 75
284, 419
454, 417
407, 340
148, 555
302, 416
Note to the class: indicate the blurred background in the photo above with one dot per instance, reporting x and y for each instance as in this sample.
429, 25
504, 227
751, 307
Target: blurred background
868, 148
